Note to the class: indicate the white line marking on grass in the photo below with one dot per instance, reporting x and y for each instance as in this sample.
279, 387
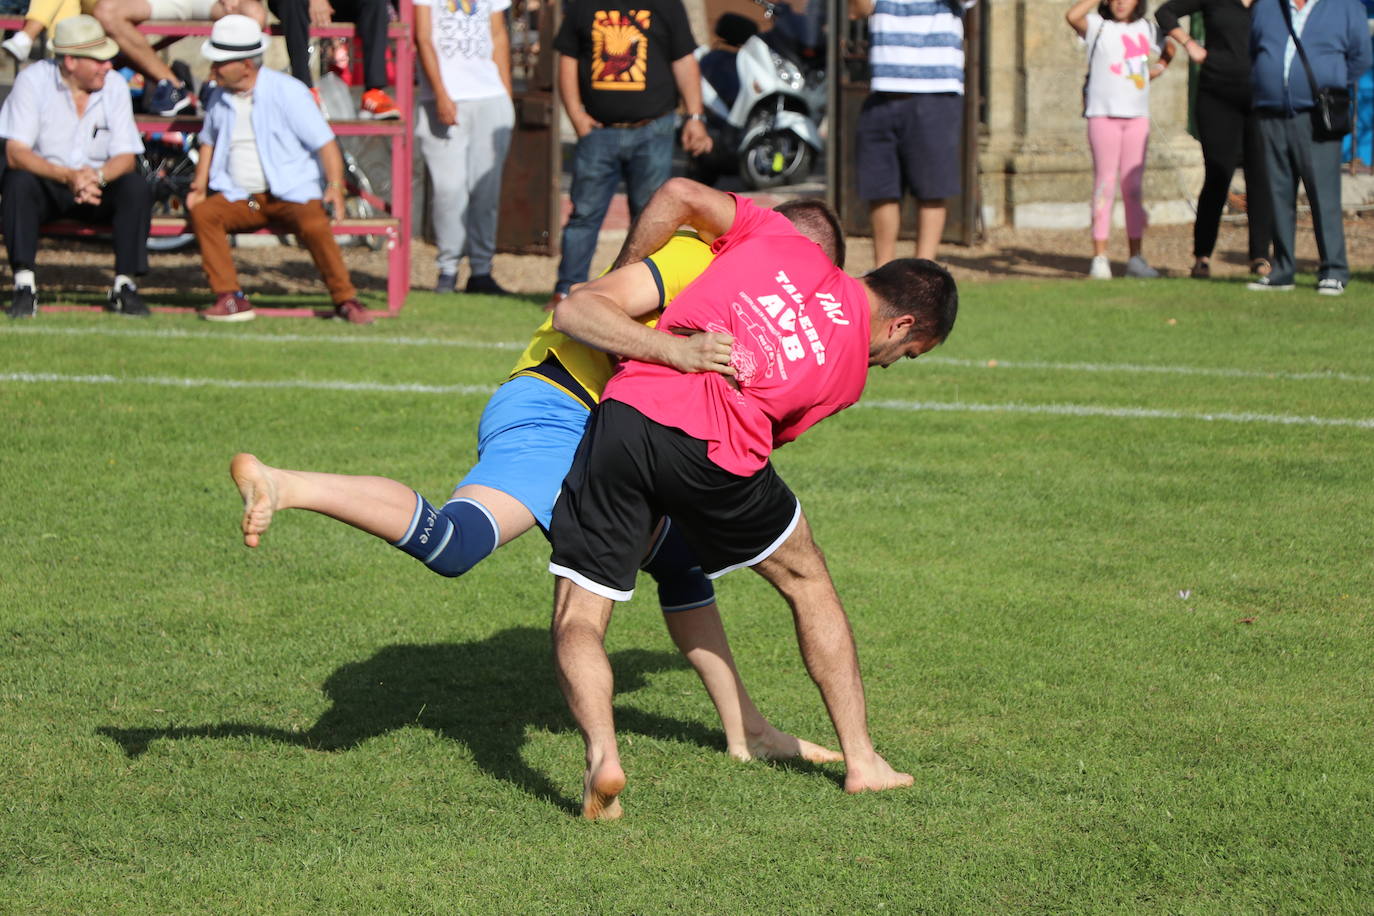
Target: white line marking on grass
174, 334
1132, 413
1321, 375
166, 381
1070, 410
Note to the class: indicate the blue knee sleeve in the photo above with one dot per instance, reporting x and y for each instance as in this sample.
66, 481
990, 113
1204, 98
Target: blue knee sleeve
450, 540
682, 585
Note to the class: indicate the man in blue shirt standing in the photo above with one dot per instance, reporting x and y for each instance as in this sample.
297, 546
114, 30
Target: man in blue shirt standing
265, 149
1335, 36
70, 147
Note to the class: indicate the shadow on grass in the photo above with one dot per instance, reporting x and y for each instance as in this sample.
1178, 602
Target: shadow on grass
486, 694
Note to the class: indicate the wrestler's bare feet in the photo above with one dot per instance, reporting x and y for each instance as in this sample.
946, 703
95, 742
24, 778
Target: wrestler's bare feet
773, 744
874, 775
259, 490
601, 791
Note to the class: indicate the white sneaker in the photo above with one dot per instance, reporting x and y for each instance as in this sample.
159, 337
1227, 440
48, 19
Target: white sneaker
1136, 267
1330, 286
1264, 284
1101, 269
19, 45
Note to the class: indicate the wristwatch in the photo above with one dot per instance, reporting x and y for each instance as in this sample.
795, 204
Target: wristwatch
697, 117
100, 178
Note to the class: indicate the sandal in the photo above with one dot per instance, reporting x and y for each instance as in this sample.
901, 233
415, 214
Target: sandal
1261, 267
1201, 270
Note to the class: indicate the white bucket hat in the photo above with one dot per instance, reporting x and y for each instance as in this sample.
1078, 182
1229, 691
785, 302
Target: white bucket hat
234, 37
82, 36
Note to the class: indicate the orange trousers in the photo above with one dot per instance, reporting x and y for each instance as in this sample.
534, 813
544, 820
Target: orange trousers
216, 217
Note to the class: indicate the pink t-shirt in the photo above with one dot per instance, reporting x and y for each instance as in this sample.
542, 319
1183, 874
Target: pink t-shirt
801, 344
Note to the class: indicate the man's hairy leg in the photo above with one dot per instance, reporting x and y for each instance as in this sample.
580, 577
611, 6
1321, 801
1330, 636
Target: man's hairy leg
120, 19
378, 505
580, 619
700, 636
797, 570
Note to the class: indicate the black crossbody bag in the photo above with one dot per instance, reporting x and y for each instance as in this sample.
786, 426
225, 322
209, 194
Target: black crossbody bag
1333, 110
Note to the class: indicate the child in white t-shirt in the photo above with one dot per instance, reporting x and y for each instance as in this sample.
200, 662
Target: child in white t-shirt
1116, 102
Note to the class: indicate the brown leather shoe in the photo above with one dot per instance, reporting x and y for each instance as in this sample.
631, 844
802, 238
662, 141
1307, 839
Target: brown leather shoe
230, 307
554, 300
352, 311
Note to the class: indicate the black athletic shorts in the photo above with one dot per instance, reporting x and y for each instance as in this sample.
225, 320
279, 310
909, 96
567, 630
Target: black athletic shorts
629, 472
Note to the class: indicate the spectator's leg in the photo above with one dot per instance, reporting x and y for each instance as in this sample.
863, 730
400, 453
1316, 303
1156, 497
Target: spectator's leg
372, 18
1135, 143
880, 173
1220, 127
649, 161
129, 202
886, 219
1104, 139
445, 150
595, 176
1320, 167
295, 29
1281, 169
930, 227
311, 225
1259, 203
26, 202
250, 8
120, 19
212, 221
494, 124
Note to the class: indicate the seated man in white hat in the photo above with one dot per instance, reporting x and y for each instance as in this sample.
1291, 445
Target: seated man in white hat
262, 151
70, 147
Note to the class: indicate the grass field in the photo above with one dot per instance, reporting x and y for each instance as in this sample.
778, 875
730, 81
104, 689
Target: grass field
1107, 555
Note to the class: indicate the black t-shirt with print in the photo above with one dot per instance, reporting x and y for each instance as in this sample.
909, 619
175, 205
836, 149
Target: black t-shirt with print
625, 52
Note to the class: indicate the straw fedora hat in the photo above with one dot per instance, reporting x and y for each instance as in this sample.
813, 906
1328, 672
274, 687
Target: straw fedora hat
82, 36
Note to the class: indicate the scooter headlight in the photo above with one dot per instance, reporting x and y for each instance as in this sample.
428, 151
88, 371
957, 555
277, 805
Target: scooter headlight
788, 72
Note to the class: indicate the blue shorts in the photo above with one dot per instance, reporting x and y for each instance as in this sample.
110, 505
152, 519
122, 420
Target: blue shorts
526, 440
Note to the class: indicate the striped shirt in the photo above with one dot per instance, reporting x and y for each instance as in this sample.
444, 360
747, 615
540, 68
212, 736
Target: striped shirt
916, 46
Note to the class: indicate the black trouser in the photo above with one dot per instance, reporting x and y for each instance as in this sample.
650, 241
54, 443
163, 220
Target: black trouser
1230, 136
371, 17
29, 201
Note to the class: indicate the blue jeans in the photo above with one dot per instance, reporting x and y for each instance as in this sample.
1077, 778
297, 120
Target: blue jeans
643, 156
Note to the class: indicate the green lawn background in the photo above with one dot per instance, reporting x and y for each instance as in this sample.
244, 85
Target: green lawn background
1126, 659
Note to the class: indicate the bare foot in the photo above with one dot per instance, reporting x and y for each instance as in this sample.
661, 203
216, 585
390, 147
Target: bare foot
874, 776
601, 792
259, 490
779, 745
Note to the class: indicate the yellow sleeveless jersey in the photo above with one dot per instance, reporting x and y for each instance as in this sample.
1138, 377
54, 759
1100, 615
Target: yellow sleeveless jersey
675, 265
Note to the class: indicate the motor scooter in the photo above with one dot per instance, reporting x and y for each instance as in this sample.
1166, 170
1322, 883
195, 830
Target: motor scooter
764, 94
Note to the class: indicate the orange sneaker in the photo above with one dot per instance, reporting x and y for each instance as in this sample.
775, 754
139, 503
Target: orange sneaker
378, 106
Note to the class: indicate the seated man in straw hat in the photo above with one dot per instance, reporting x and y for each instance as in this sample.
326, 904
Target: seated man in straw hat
71, 143
259, 167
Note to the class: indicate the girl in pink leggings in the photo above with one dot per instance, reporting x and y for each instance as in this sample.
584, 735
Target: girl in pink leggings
1116, 102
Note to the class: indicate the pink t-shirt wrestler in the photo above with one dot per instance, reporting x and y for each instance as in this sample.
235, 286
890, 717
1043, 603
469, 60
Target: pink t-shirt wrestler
801, 344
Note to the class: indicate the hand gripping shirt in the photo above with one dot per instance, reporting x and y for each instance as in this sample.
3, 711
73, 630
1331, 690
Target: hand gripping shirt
675, 265
801, 329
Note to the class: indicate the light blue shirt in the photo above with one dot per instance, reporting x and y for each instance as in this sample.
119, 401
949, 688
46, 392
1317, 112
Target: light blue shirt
41, 114
290, 131
1299, 20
